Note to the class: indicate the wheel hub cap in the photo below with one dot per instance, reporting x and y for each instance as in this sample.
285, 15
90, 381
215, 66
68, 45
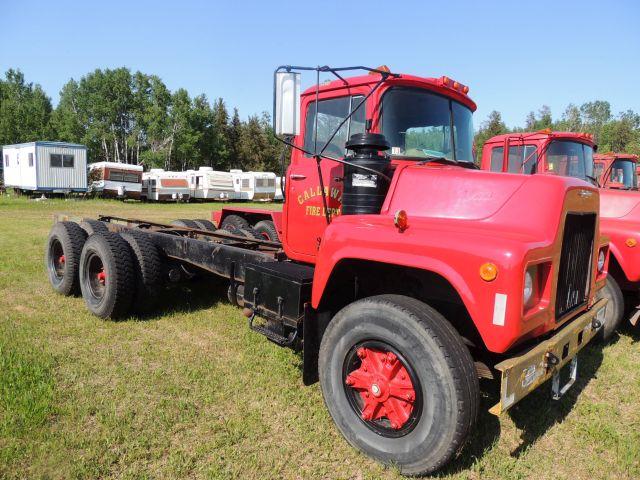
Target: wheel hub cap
384, 386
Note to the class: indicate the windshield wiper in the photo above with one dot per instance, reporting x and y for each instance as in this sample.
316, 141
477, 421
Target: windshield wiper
448, 161
594, 180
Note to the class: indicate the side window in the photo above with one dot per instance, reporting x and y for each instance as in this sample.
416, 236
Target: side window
115, 175
331, 113
31, 159
67, 161
496, 159
6, 160
522, 159
133, 178
55, 160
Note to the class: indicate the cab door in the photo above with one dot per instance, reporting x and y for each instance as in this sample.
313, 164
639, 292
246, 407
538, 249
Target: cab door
306, 217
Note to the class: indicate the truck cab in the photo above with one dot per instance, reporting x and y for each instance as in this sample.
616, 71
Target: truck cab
572, 154
616, 170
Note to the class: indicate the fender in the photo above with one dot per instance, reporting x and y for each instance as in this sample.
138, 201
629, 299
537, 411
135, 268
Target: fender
628, 257
436, 247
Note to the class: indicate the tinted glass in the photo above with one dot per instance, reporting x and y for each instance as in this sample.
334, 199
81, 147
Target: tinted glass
522, 159
331, 113
624, 172
571, 159
417, 123
497, 155
55, 160
67, 161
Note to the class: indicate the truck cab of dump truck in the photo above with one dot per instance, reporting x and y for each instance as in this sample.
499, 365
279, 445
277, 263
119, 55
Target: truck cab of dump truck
616, 170
572, 154
402, 272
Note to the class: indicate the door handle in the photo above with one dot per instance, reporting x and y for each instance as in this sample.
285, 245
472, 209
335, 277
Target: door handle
297, 176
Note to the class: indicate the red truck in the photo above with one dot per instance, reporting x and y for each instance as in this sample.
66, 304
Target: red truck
572, 154
401, 271
616, 170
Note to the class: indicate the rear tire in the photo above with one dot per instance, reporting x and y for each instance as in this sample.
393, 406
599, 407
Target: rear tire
107, 279
267, 230
62, 257
615, 309
441, 374
231, 222
147, 266
185, 222
93, 226
205, 224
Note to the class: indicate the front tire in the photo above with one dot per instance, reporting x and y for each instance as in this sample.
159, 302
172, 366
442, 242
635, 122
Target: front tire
615, 309
411, 359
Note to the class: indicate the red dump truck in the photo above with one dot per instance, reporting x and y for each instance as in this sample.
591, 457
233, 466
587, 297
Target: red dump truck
403, 273
571, 154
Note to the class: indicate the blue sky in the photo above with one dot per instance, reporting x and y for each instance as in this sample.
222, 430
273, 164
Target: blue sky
514, 57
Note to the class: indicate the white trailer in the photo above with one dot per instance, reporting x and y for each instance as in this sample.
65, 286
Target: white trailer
164, 186
115, 180
54, 167
259, 186
209, 184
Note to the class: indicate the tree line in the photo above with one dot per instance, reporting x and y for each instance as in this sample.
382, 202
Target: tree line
616, 133
134, 118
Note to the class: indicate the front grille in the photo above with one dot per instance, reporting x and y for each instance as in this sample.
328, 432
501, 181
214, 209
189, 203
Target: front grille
575, 262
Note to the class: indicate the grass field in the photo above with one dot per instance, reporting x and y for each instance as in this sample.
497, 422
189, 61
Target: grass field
193, 393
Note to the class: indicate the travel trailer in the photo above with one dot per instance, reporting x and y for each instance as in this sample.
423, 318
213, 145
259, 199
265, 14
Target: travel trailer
115, 180
257, 186
160, 185
209, 184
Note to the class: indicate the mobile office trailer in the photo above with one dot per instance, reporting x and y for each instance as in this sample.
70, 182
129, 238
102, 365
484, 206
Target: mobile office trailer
54, 167
115, 180
162, 186
209, 184
260, 186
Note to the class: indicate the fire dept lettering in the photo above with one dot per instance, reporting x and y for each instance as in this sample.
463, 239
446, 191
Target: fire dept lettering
334, 200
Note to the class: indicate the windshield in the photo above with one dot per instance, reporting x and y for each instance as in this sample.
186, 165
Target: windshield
418, 124
624, 172
570, 159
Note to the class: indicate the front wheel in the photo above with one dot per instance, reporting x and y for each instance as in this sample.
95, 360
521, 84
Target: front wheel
615, 308
399, 382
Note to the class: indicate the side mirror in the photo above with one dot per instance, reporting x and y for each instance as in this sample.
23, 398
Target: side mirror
287, 103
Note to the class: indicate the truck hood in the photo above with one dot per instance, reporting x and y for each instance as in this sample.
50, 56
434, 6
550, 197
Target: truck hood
527, 206
619, 203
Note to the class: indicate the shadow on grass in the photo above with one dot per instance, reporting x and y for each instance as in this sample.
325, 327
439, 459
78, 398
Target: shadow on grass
533, 416
201, 293
630, 331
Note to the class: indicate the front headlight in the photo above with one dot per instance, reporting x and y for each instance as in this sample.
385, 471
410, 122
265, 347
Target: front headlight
527, 292
601, 258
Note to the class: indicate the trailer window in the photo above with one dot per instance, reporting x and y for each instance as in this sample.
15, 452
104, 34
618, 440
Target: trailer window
115, 175
55, 160
132, 177
331, 113
31, 159
6, 160
67, 161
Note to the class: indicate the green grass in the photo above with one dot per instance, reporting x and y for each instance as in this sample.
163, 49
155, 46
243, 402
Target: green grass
193, 393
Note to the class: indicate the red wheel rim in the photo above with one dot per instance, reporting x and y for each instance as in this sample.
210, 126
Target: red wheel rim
382, 388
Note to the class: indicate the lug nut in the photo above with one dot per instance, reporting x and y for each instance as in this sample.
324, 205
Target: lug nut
350, 381
391, 357
394, 425
362, 352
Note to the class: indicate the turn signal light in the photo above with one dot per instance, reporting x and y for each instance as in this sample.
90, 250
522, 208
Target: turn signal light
631, 242
401, 220
488, 271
